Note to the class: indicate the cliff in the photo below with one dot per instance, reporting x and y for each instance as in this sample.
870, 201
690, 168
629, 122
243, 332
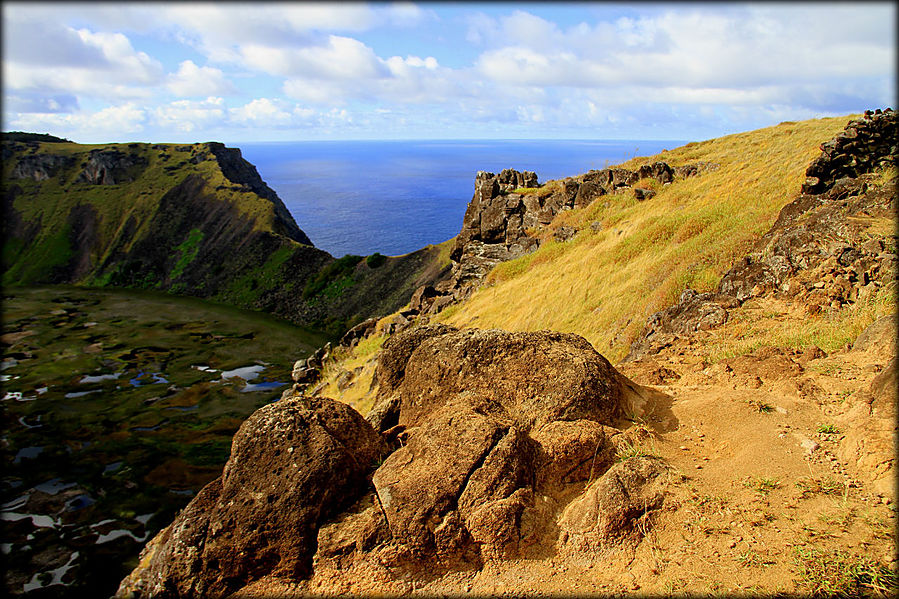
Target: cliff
746, 446
190, 219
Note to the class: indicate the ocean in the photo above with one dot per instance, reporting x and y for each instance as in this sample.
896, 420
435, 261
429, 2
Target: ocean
394, 197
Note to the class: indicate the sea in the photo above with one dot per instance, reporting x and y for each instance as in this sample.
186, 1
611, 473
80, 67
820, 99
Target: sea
394, 197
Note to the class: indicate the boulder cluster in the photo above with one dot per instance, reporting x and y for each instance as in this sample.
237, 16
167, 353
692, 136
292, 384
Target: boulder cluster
483, 445
818, 251
864, 145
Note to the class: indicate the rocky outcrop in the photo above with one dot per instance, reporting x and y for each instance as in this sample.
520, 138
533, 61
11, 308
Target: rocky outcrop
293, 463
111, 167
508, 209
818, 251
493, 436
864, 145
40, 167
239, 171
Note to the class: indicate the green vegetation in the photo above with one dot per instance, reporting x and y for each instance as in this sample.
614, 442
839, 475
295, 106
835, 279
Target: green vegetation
763, 484
333, 278
188, 249
827, 428
30, 137
841, 574
375, 260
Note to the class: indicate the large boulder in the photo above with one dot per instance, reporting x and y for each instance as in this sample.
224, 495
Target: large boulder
292, 464
529, 379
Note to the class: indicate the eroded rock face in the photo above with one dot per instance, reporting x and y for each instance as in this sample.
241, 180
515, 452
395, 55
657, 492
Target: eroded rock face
292, 464
110, 167
528, 379
507, 209
487, 419
40, 167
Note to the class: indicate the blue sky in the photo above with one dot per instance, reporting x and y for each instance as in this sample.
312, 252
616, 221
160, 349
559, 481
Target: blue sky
181, 72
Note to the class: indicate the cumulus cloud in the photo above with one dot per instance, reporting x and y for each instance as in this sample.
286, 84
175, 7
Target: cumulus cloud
187, 115
706, 50
339, 58
82, 62
114, 123
192, 80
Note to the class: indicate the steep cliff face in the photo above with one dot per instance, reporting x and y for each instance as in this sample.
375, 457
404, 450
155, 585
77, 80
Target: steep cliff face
192, 219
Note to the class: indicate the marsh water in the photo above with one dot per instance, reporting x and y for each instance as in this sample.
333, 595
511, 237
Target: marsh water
117, 407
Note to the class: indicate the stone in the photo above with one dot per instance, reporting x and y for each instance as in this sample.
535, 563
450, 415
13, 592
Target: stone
609, 509
359, 332
641, 194
293, 463
529, 378
572, 451
564, 233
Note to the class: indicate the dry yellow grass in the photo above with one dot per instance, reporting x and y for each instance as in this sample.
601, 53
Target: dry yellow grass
603, 285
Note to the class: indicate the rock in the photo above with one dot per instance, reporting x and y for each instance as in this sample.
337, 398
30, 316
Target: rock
391, 368
359, 332
609, 509
424, 486
879, 337
693, 312
292, 464
530, 378
812, 352
109, 167
809, 446
596, 226
40, 167
660, 171
641, 194
564, 233
572, 451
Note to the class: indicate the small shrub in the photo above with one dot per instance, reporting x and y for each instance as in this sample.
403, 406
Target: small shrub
375, 260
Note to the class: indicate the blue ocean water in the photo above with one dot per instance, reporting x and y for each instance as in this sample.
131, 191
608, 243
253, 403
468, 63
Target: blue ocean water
394, 197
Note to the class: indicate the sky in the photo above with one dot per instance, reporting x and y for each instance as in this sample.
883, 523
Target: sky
289, 71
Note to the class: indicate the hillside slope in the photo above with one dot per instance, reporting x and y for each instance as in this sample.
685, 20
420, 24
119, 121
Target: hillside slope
746, 447
191, 219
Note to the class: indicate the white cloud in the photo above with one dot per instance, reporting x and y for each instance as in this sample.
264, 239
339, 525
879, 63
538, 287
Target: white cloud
187, 115
264, 112
341, 58
192, 80
736, 49
115, 123
82, 62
